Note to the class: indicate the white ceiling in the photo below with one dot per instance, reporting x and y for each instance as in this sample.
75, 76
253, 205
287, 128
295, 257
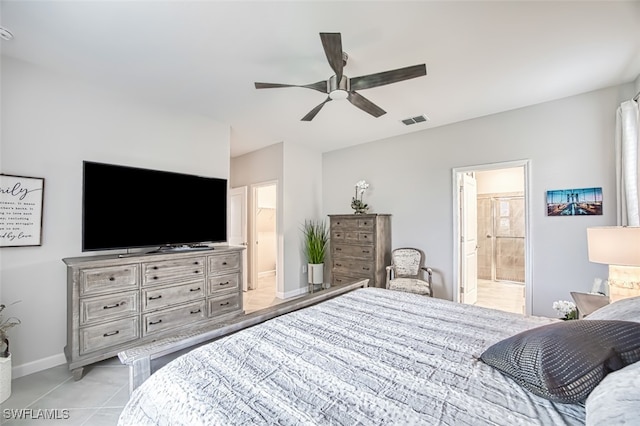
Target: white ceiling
204, 56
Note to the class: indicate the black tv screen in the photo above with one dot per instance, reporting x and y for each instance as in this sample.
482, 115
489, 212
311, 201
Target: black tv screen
129, 207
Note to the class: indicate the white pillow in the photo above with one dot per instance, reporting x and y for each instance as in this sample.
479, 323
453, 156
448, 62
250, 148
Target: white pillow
621, 310
616, 399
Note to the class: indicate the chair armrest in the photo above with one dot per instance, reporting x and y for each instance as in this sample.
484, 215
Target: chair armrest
389, 271
429, 273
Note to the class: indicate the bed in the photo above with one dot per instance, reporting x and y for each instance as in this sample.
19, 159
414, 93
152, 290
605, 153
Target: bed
369, 357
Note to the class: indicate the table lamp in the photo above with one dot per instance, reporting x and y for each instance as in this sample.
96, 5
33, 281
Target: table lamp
618, 247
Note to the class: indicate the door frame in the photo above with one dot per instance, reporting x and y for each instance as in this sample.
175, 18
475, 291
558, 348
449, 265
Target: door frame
254, 234
528, 251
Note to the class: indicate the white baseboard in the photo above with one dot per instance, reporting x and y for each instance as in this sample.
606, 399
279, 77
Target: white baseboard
39, 365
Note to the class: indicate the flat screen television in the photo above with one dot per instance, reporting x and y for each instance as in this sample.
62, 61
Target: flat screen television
127, 207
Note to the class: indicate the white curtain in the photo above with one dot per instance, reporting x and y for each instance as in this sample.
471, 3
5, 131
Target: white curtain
627, 175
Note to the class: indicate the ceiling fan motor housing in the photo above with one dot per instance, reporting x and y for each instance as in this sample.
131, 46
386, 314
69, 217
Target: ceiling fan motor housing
338, 90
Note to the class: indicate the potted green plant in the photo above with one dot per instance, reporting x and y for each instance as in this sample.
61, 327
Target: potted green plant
316, 238
5, 355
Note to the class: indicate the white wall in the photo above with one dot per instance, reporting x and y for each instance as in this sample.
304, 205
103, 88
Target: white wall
302, 201
49, 125
570, 143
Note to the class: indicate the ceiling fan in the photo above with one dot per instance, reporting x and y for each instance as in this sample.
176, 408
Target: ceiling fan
340, 86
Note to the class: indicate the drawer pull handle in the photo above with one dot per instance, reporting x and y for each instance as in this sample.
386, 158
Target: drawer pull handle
338, 249
115, 305
338, 235
155, 278
224, 263
196, 312
365, 268
112, 279
194, 289
155, 267
155, 297
196, 271
196, 263
155, 322
112, 333
338, 264
365, 236
225, 283
224, 304
366, 251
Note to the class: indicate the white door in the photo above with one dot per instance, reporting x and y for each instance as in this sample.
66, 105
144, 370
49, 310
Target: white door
469, 239
238, 225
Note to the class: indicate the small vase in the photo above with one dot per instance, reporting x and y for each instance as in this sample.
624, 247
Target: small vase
5, 378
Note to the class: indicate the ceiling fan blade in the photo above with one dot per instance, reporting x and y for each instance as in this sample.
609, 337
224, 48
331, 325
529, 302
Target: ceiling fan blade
332, 44
365, 104
315, 111
320, 86
387, 77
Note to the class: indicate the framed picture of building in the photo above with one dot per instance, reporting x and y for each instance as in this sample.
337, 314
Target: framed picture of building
574, 202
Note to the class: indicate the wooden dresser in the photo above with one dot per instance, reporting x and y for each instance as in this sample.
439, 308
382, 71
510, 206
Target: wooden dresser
115, 303
360, 248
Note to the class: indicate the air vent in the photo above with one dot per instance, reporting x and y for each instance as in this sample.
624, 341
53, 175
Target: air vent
413, 120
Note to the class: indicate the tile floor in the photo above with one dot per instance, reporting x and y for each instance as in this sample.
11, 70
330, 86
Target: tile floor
263, 296
99, 397
501, 295
95, 400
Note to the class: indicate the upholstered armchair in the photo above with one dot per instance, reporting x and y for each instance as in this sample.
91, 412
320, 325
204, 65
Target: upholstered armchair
406, 272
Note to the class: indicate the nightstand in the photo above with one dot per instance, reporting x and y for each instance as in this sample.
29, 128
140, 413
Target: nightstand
588, 302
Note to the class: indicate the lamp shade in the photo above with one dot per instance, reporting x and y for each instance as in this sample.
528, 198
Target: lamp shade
614, 245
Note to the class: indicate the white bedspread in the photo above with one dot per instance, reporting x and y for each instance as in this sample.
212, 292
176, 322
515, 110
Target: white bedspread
370, 357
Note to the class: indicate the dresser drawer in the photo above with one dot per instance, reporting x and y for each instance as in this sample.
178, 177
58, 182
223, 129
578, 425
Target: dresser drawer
339, 279
109, 279
353, 267
170, 271
174, 317
223, 283
358, 237
224, 304
356, 250
343, 223
160, 297
224, 262
365, 224
102, 308
114, 333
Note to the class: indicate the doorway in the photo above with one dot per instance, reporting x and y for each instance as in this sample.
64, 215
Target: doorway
501, 252
263, 271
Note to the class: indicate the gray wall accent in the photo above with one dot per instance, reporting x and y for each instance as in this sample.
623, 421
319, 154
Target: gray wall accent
298, 170
570, 143
50, 124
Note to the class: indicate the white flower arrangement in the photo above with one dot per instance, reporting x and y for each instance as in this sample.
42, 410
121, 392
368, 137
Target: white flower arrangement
358, 204
567, 309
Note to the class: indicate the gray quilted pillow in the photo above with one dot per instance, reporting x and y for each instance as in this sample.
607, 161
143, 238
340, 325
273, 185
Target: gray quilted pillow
622, 310
565, 361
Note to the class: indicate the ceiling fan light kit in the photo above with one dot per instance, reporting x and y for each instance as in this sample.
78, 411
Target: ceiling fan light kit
339, 86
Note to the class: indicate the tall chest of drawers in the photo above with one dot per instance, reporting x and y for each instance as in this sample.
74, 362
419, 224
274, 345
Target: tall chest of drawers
360, 248
115, 303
